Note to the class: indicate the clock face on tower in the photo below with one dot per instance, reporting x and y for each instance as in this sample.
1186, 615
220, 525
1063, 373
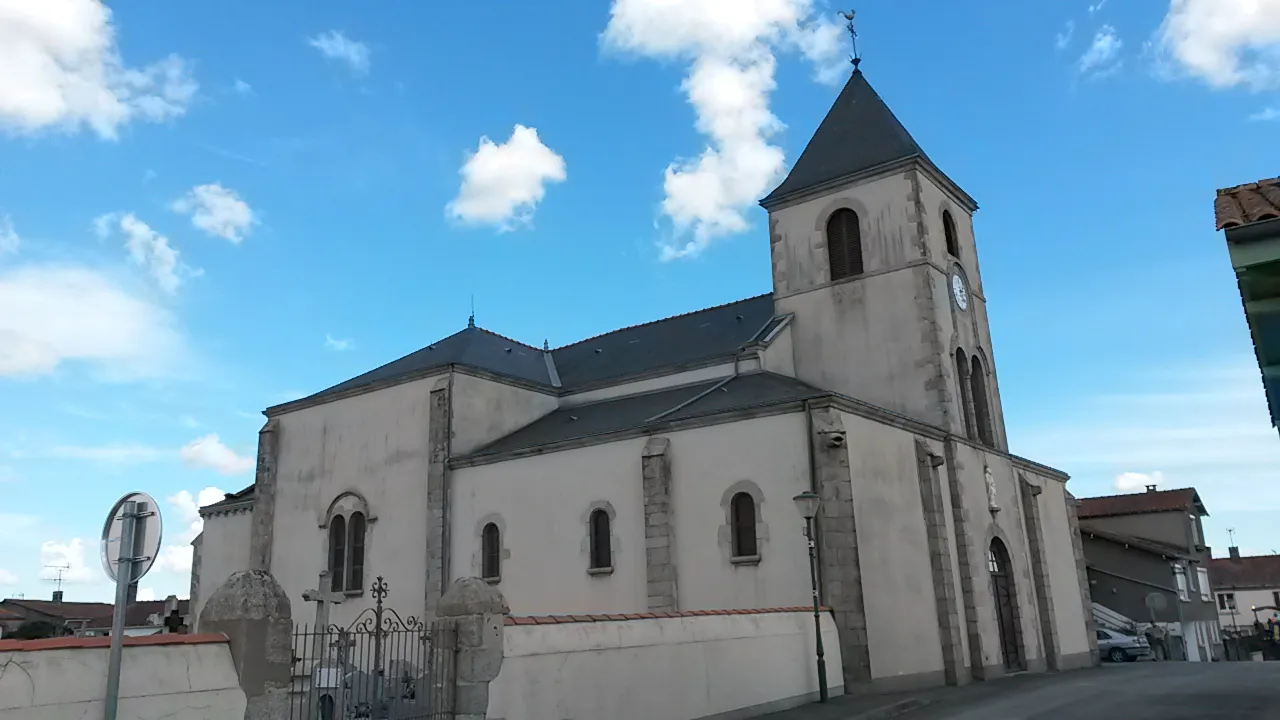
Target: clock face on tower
959, 291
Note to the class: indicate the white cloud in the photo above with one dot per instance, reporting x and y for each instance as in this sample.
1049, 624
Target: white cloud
146, 594
68, 556
51, 314
242, 88
218, 211
731, 60
337, 46
1203, 426
1095, 7
1064, 37
503, 184
7, 578
62, 70
9, 240
151, 250
209, 452
1135, 481
1266, 115
336, 344
1225, 43
176, 557
1102, 54
110, 454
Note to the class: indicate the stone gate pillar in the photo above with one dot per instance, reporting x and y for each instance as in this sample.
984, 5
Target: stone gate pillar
467, 649
253, 611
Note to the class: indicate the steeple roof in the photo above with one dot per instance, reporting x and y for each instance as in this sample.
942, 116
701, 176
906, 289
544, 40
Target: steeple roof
860, 132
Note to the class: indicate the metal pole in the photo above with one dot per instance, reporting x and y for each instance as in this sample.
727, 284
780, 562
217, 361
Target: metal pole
124, 574
817, 616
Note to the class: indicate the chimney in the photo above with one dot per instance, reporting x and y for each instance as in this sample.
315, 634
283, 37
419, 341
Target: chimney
1151, 488
133, 594
1234, 551
57, 596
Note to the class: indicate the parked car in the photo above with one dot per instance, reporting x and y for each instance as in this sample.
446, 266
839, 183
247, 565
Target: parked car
1119, 647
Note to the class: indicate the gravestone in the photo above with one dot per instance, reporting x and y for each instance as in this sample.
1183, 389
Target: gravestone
252, 610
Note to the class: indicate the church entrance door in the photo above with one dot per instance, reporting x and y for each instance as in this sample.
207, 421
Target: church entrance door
1006, 601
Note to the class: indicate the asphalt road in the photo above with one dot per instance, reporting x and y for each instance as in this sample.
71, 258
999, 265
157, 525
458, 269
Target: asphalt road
1132, 691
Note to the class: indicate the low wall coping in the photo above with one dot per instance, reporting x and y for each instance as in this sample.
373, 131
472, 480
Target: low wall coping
103, 642
621, 617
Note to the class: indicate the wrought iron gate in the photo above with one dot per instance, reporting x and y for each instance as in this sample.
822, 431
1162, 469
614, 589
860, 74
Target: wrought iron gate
380, 667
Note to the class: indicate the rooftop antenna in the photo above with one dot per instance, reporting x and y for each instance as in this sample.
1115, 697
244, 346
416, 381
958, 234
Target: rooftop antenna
61, 569
1231, 536
856, 58
471, 321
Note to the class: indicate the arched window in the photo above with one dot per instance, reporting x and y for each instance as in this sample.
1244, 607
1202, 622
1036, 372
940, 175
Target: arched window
337, 554
949, 229
844, 244
965, 399
491, 552
601, 552
981, 408
355, 531
743, 511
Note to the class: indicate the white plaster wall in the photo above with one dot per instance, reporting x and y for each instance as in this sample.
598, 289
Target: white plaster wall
485, 410
687, 377
157, 681
1064, 580
543, 503
375, 444
223, 552
893, 550
1246, 599
780, 357
675, 669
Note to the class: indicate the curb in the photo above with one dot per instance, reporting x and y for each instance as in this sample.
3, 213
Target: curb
891, 711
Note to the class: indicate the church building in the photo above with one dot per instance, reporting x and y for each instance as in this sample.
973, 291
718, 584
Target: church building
654, 468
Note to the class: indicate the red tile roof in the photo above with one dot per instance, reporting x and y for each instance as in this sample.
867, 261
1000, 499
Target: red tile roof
1259, 571
96, 615
102, 642
1144, 502
562, 619
1150, 546
1248, 203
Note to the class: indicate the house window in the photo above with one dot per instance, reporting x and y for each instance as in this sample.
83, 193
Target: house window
601, 550
962, 380
949, 229
1226, 601
1275, 598
1180, 575
491, 552
1202, 579
743, 510
844, 244
1195, 531
355, 531
337, 554
981, 408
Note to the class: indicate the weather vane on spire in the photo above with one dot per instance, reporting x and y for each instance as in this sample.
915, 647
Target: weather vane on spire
856, 59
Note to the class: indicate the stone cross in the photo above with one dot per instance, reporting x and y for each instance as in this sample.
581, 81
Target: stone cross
173, 622
322, 598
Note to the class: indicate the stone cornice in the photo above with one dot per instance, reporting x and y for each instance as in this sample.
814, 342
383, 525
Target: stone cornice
243, 506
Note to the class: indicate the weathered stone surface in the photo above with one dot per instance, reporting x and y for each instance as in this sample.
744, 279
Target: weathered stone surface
253, 611
471, 617
261, 542
472, 596
1039, 570
437, 569
659, 521
964, 553
940, 563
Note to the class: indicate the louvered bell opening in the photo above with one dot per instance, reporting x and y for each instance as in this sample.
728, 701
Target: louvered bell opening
844, 244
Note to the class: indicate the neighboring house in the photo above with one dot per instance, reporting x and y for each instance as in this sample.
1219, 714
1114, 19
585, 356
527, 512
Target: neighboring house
1250, 215
653, 468
1152, 542
94, 619
1248, 588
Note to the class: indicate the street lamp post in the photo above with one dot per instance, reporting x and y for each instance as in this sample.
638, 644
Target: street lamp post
807, 503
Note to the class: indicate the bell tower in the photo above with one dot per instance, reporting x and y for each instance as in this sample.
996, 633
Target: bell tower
874, 256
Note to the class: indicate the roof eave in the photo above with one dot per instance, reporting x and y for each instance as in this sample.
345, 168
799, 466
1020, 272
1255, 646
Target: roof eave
775, 200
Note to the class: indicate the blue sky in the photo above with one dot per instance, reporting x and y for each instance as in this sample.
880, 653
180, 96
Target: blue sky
209, 209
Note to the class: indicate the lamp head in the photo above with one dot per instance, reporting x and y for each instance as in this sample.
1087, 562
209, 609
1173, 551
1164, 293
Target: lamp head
807, 503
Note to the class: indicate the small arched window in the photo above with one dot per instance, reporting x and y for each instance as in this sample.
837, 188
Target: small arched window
601, 552
949, 230
844, 244
981, 407
355, 531
965, 398
491, 552
743, 511
337, 554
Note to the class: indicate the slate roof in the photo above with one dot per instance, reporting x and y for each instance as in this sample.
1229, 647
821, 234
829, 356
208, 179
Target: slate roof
234, 498
639, 411
1149, 546
860, 132
1259, 571
1247, 204
1144, 502
97, 615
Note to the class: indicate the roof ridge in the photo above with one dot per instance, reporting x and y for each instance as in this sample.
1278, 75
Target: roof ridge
1249, 185
504, 337
662, 320
1136, 494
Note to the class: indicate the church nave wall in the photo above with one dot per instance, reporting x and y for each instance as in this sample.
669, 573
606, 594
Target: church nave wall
485, 410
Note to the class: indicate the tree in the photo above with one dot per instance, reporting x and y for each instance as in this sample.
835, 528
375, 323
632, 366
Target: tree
35, 630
